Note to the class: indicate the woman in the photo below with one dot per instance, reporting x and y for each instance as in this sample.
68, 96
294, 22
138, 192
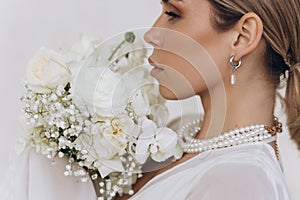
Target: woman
232, 54
251, 45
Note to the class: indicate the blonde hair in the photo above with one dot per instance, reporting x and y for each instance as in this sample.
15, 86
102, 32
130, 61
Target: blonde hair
281, 20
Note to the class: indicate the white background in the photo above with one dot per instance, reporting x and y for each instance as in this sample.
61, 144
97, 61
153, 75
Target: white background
27, 25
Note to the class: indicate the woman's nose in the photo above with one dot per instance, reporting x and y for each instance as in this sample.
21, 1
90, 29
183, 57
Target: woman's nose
154, 37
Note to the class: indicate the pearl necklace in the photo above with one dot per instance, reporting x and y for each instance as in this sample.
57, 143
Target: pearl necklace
239, 136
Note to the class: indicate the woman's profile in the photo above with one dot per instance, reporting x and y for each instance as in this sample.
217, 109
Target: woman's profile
254, 45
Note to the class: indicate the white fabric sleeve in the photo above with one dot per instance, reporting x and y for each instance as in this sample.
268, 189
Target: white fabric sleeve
236, 181
14, 185
32, 177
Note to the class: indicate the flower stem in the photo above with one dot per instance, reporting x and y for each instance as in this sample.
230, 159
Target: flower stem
116, 49
129, 37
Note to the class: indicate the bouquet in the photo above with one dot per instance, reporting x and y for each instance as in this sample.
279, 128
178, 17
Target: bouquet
97, 106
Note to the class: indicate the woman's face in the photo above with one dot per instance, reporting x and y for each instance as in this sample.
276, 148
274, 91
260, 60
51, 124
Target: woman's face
187, 49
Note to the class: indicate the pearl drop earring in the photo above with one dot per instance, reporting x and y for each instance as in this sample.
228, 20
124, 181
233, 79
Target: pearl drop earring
234, 68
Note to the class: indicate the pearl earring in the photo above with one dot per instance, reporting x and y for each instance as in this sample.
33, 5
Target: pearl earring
234, 68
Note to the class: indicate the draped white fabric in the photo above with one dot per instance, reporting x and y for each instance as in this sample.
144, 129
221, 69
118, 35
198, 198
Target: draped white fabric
245, 172
33, 177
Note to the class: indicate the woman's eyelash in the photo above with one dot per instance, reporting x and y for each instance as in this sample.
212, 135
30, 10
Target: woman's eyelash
172, 15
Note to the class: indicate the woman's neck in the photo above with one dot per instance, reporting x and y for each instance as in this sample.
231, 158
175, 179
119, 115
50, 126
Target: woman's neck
236, 106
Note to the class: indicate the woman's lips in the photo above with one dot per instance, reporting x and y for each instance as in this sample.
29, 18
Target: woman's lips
156, 70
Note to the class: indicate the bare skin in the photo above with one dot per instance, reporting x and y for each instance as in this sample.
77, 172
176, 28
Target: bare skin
250, 101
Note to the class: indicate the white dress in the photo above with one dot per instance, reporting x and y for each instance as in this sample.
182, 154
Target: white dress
245, 172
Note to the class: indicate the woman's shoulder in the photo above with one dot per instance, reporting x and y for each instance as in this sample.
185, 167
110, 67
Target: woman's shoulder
257, 152
246, 172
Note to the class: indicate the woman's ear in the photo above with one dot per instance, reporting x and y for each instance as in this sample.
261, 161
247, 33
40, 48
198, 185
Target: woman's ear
249, 30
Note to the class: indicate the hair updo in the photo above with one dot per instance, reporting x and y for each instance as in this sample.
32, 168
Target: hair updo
281, 21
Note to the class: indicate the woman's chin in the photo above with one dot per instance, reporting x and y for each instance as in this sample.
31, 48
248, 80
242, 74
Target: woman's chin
168, 94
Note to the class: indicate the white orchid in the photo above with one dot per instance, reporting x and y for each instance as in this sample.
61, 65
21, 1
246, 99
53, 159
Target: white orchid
159, 143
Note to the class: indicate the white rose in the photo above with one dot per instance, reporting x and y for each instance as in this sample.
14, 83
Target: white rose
47, 70
112, 138
100, 154
105, 146
108, 145
101, 90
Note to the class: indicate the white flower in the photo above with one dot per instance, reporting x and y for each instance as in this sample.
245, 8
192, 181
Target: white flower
159, 143
101, 153
46, 71
83, 48
159, 114
106, 146
140, 103
143, 89
101, 91
139, 78
106, 167
115, 136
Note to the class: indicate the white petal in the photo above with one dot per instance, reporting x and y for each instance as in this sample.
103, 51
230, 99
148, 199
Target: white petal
177, 152
160, 156
142, 150
149, 128
159, 113
129, 127
135, 131
140, 103
108, 166
166, 139
86, 142
106, 149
